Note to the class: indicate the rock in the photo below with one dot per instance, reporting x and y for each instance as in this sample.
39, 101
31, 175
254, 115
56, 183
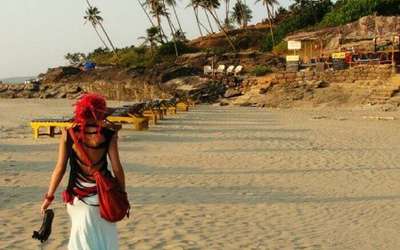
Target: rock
260, 105
72, 89
177, 72
73, 96
61, 95
262, 91
388, 108
56, 74
7, 94
320, 84
136, 71
32, 87
3, 87
197, 60
246, 104
16, 87
196, 88
267, 87
232, 93
44, 87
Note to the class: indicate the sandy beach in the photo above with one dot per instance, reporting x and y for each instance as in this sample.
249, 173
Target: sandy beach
224, 178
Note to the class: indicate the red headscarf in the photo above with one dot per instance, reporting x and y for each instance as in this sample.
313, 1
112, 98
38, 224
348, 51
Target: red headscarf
91, 108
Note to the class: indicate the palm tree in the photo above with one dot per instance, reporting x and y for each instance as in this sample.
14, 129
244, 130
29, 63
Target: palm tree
152, 38
89, 18
241, 14
93, 14
171, 26
172, 4
208, 20
210, 6
157, 10
269, 4
145, 11
180, 36
195, 6
227, 10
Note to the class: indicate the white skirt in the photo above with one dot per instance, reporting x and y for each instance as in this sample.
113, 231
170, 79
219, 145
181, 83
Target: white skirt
88, 230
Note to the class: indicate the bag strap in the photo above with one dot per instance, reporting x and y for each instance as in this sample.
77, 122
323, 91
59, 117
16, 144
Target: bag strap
79, 148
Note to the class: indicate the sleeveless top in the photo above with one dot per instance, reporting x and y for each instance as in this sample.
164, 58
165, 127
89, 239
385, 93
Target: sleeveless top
80, 184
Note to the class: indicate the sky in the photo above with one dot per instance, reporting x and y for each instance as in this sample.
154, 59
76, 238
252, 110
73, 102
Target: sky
36, 34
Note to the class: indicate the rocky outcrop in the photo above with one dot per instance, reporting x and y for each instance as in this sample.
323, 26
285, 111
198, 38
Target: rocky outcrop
357, 35
361, 85
199, 89
179, 71
57, 74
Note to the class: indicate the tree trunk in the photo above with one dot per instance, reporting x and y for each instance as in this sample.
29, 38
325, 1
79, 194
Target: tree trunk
98, 34
162, 34
104, 31
197, 20
244, 19
172, 28
222, 29
173, 36
108, 38
208, 20
227, 3
177, 19
88, 3
147, 14
270, 27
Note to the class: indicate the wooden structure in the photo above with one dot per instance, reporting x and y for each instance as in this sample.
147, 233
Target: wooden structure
152, 115
137, 115
51, 125
139, 122
182, 106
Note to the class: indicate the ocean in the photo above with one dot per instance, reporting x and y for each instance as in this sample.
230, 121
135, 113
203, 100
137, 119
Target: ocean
20, 79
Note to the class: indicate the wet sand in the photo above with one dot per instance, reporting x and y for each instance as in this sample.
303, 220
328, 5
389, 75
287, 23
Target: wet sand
224, 178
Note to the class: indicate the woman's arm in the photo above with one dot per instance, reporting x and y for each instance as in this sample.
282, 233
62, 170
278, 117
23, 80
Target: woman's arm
58, 171
113, 153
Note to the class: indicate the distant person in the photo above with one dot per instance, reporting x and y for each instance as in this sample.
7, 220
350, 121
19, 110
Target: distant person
98, 139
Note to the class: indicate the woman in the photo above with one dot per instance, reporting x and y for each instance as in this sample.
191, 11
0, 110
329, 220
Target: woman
99, 139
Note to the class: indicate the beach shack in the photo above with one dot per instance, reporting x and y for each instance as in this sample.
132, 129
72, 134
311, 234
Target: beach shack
309, 50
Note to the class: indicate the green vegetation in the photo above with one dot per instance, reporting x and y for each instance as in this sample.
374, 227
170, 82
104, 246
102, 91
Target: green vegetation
323, 13
132, 56
241, 14
350, 10
74, 58
260, 70
303, 14
281, 48
161, 45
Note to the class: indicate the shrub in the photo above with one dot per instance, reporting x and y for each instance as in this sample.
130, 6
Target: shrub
346, 11
304, 14
261, 70
169, 48
281, 48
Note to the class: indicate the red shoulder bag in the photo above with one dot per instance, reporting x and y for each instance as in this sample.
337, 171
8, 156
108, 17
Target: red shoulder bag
113, 201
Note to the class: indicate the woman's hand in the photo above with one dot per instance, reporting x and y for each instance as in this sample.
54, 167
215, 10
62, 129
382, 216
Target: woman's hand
45, 205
